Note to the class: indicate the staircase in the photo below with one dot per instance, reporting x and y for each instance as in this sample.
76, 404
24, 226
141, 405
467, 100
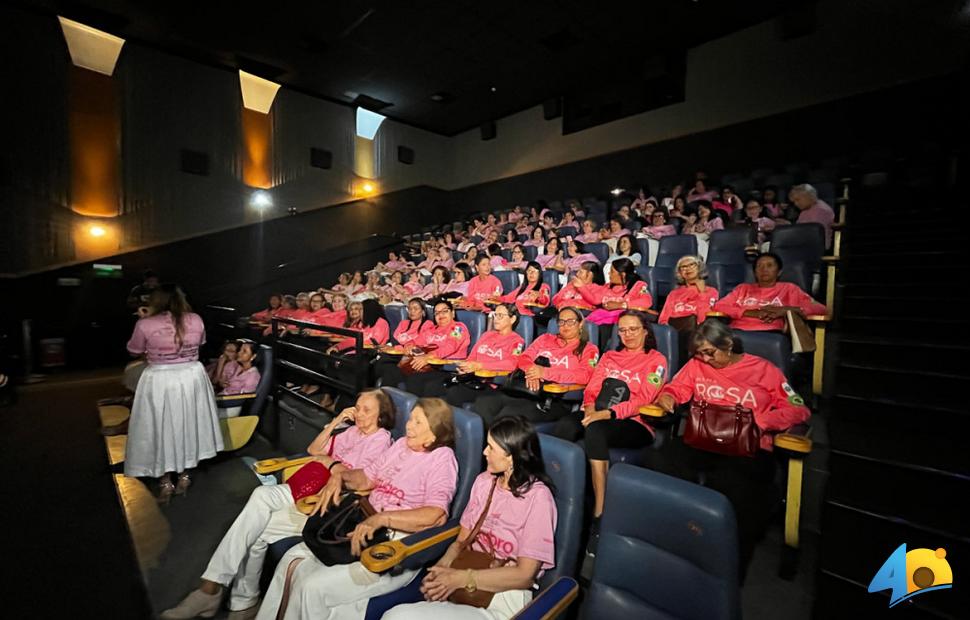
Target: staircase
898, 422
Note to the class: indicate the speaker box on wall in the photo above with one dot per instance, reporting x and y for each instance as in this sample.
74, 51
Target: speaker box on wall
552, 109
405, 155
489, 131
320, 158
194, 162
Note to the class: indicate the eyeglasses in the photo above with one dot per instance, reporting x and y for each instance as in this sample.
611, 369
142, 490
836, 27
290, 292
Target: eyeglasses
441, 312
501, 315
623, 331
569, 322
688, 267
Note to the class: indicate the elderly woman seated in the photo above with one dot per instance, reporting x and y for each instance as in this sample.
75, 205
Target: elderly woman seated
721, 374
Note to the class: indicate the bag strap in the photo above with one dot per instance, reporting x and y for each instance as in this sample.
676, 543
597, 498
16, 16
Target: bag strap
468, 542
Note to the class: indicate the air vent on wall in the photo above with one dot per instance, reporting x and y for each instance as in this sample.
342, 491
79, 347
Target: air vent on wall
405, 155
194, 162
320, 158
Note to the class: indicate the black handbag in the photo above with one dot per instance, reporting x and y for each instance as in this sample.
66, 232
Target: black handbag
516, 384
612, 393
328, 535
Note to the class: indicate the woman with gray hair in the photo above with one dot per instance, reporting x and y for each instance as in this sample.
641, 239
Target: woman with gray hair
693, 298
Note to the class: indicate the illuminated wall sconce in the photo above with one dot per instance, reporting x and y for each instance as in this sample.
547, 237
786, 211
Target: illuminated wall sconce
365, 188
91, 48
261, 200
258, 94
97, 231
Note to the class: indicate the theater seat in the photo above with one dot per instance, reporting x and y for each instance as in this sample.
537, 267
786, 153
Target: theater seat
551, 277
531, 252
801, 247
403, 404
600, 250
509, 280
672, 247
395, 313
726, 247
667, 549
565, 465
237, 431
475, 322
525, 327
725, 278
661, 280
773, 346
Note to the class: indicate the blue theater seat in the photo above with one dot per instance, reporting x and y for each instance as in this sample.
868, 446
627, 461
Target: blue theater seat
525, 327
551, 277
475, 321
725, 278
727, 246
600, 250
395, 313
509, 280
673, 247
773, 346
801, 247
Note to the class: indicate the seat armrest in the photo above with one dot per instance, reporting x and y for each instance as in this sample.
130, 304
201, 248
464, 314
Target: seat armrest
796, 442
551, 602
831, 259
411, 552
819, 318
562, 388
233, 400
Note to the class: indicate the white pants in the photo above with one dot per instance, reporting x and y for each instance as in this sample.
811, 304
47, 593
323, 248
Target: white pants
269, 515
504, 605
324, 592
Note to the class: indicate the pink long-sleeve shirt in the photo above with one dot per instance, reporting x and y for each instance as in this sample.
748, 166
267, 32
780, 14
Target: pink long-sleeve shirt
243, 382
521, 299
377, 333
451, 341
643, 372
753, 382
598, 294
497, 352
481, 289
564, 365
687, 300
569, 296
407, 330
155, 337
750, 296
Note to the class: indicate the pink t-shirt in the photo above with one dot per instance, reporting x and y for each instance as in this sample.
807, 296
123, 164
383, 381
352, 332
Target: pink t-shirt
407, 330
404, 479
243, 382
481, 289
819, 213
359, 451
643, 372
515, 527
155, 337
749, 296
457, 287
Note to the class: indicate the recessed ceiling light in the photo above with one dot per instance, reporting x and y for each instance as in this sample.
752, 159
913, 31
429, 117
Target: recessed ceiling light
437, 97
494, 89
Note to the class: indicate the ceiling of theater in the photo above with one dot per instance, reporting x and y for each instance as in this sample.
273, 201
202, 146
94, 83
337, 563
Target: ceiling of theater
442, 65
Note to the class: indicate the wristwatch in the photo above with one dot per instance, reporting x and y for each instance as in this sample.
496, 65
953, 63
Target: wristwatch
470, 585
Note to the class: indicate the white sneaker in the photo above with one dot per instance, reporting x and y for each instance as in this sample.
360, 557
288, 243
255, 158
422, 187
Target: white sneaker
196, 604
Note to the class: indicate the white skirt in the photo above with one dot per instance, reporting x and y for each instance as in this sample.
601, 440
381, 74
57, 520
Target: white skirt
174, 421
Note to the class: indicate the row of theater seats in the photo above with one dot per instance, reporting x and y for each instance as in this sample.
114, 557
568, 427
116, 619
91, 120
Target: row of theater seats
665, 544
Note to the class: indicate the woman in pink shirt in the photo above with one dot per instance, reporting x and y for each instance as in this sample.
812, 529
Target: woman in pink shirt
515, 495
615, 231
623, 381
415, 325
460, 277
722, 374
271, 514
394, 262
482, 287
174, 422
659, 225
625, 290
577, 256
498, 261
762, 306
246, 378
448, 339
366, 317
518, 261
550, 254
693, 297
496, 349
589, 273
567, 357
411, 488
265, 316
511, 239
438, 286
225, 367
700, 192
756, 218
532, 293
589, 234
538, 238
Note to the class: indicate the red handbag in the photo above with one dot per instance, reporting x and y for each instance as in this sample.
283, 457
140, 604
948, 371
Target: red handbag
722, 429
308, 480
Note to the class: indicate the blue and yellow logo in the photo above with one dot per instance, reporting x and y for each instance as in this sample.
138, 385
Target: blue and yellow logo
909, 574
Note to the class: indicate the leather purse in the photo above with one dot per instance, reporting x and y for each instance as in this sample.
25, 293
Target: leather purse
683, 323
722, 429
328, 535
475, 560
308, 480
405, 364
516, 384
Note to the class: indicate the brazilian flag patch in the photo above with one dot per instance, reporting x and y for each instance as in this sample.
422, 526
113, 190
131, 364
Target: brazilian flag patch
654, 378
793, 397
456, 333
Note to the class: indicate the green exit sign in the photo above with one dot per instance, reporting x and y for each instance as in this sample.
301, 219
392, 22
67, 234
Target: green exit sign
102, 270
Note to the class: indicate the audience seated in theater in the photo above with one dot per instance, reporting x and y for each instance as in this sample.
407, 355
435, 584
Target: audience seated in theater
670, 201
271, 513
225, 366
356, 284
568, 219
567, 357
518, 261
577, 256
660, 225
589, 273
448, 339
246, 377
641, 199
471, 256
720, 373
693, 297
773, 203
589, 234
265, 316
812, 210
700, 192
762, 305
615, 231
367, 317
394, 263
755, 217
411, 488
498, 261
728, 202
440, 278
678, 207
532, 292
415, 325
538, 238
483, 286
623, 381
516, 496
511, 239
625, 290
626, 247
550, 253
707, 221
460, 277
497, 349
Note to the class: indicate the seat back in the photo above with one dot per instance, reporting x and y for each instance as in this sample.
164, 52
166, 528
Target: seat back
264, 363
395, 313
475, 322
667, 344
668, 549
403, 404
672, 247
567, 231
725, 278
530, 251
566, 465
799, 243
469, 443
600, 250
773, 346
525, 326
727, 246
509, 280
661, 280
551, 277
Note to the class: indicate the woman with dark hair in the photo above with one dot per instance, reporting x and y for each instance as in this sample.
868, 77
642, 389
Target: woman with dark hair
497, 349
623, 381
538, 238
221, 370
756, 218
246, 377
494, 252
720, 373
518, 260
532, 293
763, 305
625, 290
448, 339
589, 273
511, 239
551, 253
516, 496
577, 256
265, 316
368, 317
567, 357
271, 513
440, 277
626, 247
659, 225
482, 287
416, 324
461, 275
174, 421
411, 488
